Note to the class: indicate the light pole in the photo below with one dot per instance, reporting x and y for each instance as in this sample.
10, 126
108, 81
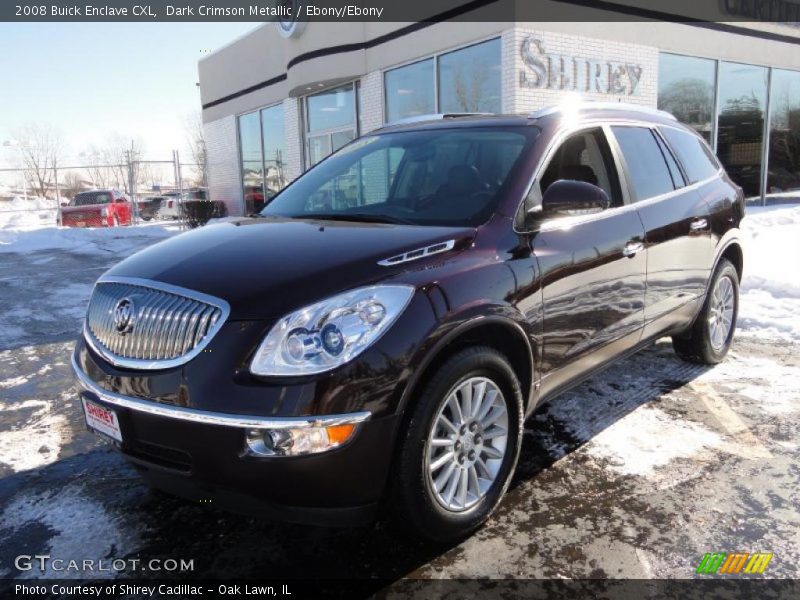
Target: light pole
20, 147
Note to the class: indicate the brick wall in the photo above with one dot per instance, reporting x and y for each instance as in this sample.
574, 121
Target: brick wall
371, 101
223, 163
606, 55
294, 138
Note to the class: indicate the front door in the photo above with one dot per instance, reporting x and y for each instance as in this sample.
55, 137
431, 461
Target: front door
593, 267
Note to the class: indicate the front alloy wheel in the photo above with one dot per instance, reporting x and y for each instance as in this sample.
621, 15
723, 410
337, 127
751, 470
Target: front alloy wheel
460, 446
467, 444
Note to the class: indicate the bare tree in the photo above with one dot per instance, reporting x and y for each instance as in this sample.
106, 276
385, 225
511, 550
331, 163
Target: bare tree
72, 184
110, 165
41, 147
196, 140
471, 87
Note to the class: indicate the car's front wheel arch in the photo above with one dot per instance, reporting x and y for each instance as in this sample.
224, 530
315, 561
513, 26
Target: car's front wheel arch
501, 333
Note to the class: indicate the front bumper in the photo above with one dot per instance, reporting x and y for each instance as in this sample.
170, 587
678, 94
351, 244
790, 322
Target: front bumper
201, 455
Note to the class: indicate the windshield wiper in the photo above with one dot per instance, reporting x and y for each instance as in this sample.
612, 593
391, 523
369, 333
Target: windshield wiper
358, 217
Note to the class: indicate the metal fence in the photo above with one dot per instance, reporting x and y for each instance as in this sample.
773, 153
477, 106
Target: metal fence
156, 191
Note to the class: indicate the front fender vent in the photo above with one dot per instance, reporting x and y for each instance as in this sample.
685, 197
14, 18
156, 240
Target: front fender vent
437, 248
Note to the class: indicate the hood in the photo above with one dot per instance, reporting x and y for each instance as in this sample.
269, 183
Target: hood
84, 208
265, 268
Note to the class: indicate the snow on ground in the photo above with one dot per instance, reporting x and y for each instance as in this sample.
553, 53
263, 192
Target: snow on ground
770, 291
39, 441
59, 510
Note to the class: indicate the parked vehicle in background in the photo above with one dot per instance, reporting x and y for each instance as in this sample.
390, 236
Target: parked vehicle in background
172, 205
379, 333
97, 208
150, 207
256, 198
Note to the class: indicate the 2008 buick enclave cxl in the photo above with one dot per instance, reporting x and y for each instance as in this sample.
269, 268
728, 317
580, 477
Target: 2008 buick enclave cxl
379, 333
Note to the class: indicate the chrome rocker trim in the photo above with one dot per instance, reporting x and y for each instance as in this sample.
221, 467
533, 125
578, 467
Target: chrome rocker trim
212, 418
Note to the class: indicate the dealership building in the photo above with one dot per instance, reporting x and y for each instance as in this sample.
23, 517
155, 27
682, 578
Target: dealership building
284, 96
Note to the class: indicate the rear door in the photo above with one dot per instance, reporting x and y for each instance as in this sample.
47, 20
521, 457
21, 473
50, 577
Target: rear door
676, 220
592, 266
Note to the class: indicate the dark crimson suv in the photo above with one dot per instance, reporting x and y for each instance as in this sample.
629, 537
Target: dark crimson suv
381, 330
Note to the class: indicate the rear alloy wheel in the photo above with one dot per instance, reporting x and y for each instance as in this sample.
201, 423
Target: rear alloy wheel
710, 338
461, 445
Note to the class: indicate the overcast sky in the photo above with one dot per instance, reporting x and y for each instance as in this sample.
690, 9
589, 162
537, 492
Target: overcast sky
92, 79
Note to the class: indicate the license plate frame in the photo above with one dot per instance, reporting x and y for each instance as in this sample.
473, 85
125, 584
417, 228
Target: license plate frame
101, 420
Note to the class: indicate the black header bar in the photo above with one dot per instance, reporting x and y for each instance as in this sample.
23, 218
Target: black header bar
287, 11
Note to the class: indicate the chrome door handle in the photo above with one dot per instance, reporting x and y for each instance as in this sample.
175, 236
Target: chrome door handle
632, 247
698, 224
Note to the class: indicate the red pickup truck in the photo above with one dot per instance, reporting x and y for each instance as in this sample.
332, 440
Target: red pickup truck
97, 208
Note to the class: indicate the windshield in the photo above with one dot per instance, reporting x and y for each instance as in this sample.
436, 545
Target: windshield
87, 198
448, 177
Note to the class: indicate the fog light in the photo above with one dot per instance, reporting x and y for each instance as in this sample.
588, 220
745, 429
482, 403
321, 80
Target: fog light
298, 440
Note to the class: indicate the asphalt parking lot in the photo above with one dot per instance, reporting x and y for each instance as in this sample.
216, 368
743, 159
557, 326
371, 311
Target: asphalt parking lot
637, 473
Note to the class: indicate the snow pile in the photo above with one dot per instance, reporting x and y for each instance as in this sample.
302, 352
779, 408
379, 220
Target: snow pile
30, 213
113, 240
30, 226
770, 291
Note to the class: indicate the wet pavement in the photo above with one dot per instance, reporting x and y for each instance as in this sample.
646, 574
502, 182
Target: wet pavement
635, 474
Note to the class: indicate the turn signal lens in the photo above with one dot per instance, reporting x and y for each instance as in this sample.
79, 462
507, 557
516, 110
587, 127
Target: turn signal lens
339, 434
297, 441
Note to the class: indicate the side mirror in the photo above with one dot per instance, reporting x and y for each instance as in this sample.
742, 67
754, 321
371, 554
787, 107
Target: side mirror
567, 195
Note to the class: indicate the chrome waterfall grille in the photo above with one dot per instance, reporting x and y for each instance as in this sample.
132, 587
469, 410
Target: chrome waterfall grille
145, 324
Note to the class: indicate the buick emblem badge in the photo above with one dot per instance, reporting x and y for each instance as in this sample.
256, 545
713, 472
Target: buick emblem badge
123, 316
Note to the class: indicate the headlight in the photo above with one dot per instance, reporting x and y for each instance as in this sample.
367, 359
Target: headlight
325, 335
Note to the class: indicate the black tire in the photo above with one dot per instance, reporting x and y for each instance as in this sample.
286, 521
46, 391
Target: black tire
695, 345
413, 498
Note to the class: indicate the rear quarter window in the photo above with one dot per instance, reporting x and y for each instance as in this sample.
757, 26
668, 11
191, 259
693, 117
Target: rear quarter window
696, 158
648, 172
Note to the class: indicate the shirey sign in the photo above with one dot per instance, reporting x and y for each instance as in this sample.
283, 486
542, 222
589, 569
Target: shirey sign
574, 73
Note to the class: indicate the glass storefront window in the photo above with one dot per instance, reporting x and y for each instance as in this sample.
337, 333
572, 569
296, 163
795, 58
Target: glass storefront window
740, 124
686, 89
331, 109
330, 121
410, 91
263, 149
272, 128
252, 161
469, 79
783, 177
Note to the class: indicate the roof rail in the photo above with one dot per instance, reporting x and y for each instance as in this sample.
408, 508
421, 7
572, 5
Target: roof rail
435, 117
592, 105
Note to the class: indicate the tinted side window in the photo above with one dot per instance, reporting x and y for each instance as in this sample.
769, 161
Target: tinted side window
647, 169
674, 169
695, 157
